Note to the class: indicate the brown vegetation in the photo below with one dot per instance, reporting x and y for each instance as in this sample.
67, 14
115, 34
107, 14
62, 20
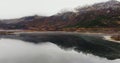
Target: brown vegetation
116, 37
99, 17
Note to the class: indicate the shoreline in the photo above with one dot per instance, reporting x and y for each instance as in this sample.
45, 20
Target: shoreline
106, 36
110, 39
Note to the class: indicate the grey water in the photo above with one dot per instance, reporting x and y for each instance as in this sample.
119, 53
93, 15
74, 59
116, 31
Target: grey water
57, 48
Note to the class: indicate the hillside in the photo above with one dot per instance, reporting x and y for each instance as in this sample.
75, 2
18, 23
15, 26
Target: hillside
99, 15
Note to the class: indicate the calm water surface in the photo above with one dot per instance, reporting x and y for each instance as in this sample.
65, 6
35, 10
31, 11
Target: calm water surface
58, 48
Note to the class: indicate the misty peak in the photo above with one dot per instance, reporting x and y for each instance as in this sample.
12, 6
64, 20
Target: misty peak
109, 4
112, 2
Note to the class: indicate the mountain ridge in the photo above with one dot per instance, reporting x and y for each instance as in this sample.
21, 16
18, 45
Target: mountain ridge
98, 15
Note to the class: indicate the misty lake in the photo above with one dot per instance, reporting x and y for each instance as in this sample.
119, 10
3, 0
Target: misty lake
58, 48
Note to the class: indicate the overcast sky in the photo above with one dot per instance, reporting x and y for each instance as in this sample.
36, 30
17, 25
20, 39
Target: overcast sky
20, 8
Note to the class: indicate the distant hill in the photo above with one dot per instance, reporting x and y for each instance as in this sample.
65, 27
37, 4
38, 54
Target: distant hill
104, 14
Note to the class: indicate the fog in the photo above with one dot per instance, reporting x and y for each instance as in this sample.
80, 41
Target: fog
17, 51
19, 8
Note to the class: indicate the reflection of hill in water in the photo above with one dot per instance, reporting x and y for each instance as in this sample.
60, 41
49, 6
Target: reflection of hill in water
81, 43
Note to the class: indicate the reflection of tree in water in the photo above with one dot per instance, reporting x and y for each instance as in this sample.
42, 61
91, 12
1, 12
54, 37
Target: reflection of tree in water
81, 43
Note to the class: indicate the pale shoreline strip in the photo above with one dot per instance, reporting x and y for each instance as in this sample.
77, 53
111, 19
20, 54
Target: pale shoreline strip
110, 39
